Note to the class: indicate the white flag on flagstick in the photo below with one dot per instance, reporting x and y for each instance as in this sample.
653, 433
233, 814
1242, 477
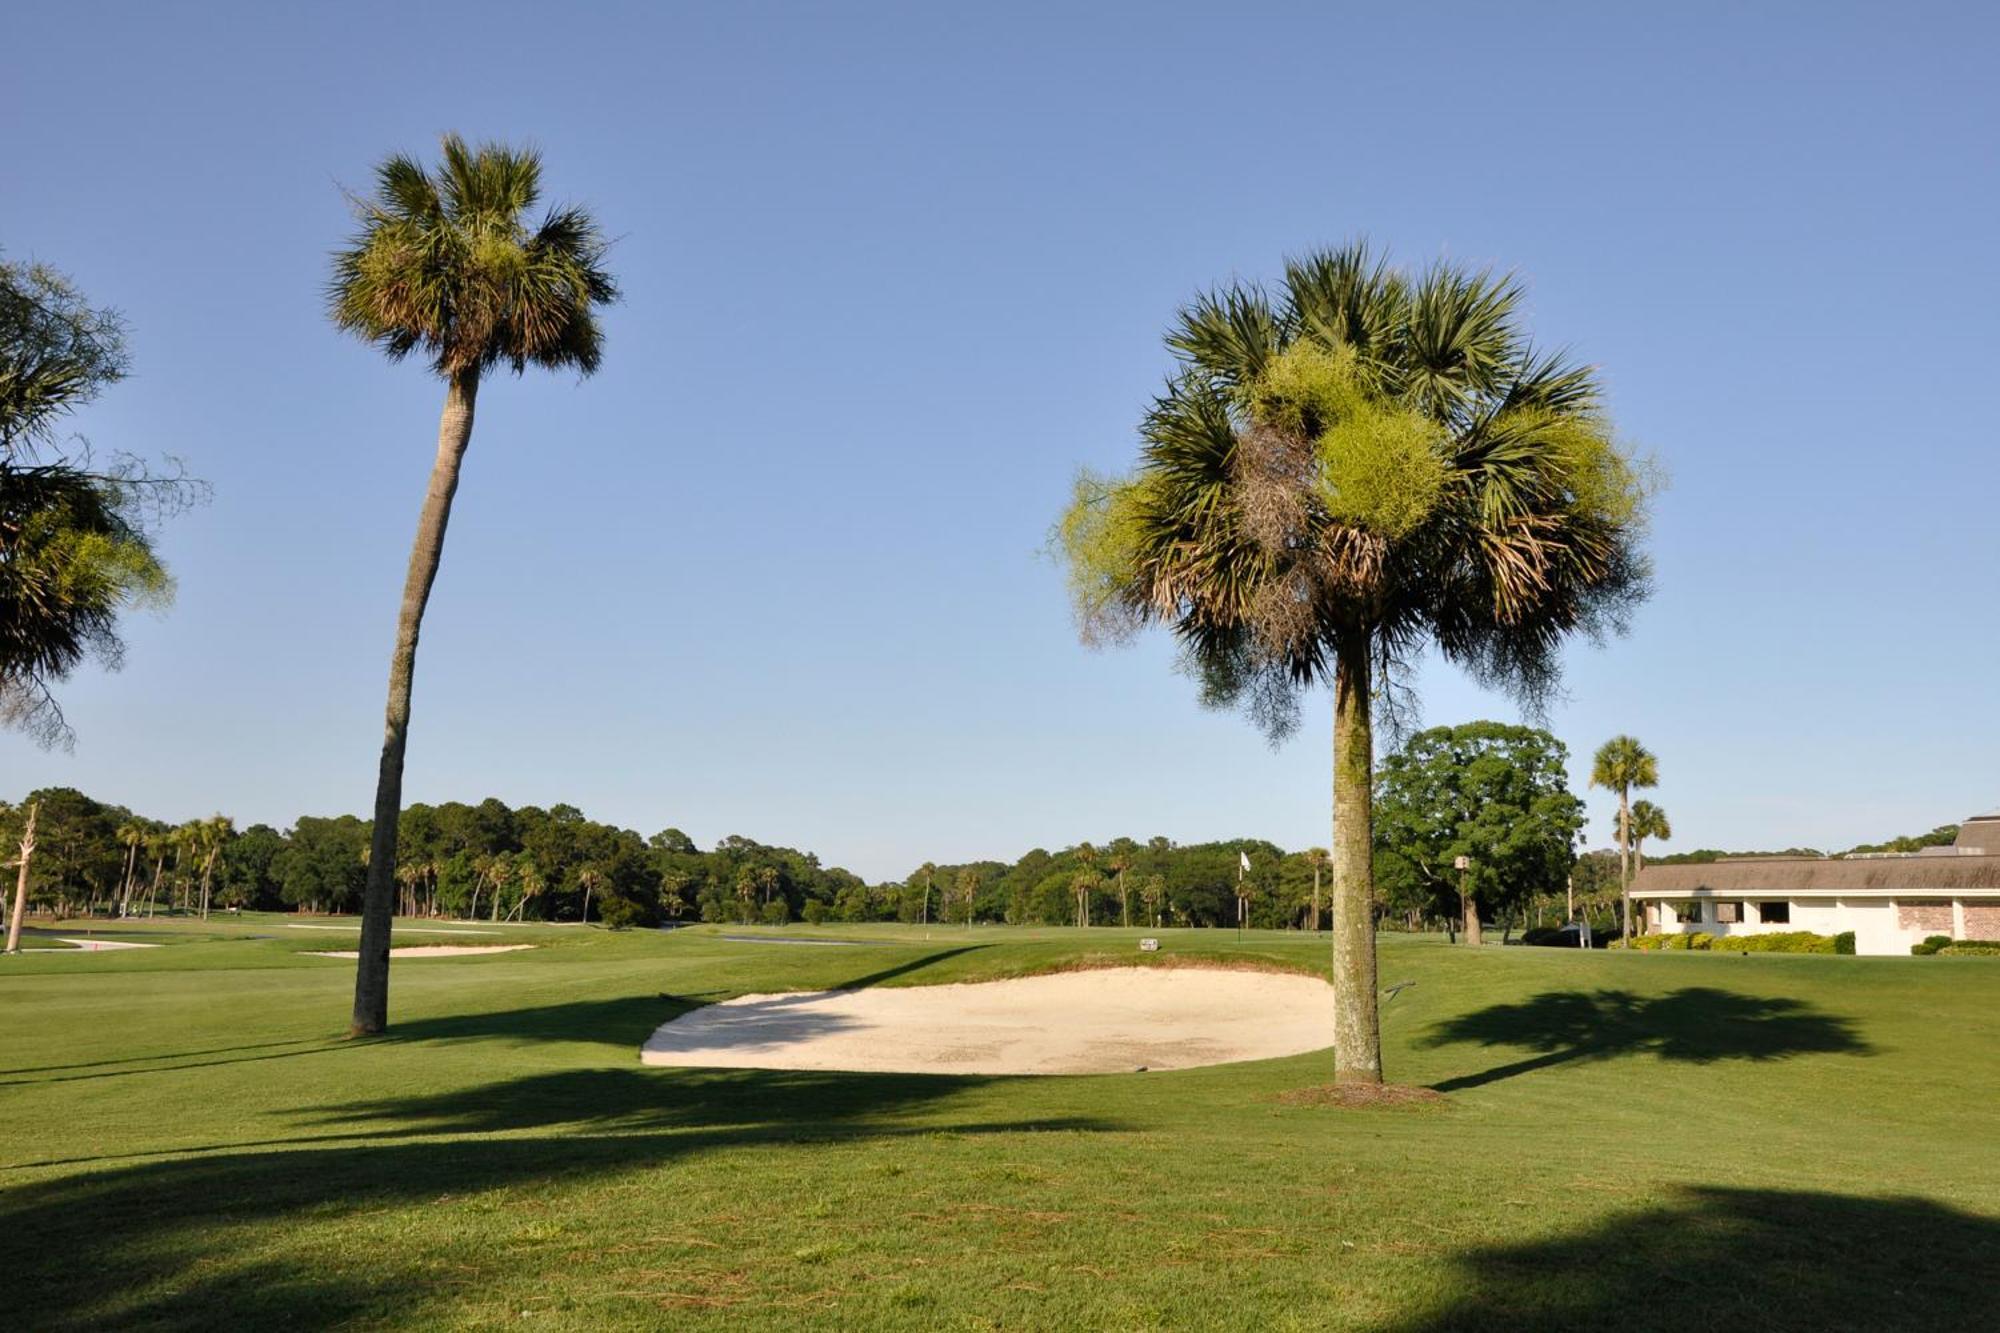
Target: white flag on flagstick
1245, 858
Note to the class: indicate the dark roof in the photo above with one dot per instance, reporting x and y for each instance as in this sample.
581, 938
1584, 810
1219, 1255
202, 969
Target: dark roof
1803, 874
1981, 831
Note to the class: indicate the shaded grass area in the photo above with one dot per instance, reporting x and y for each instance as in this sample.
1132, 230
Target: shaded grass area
1645, 1141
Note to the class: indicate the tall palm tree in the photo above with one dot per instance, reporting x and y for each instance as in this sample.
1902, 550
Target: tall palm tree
1153, 893
1648, 821
446, 265
1621, 764
1343, 472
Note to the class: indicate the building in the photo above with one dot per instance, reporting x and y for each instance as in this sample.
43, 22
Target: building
1890, 900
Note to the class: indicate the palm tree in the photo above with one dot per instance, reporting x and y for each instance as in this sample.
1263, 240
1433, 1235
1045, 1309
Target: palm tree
1648, 821
1122, 851
210, 837
445, 265
1344, 472
22, 862
1621, 764
1153, 892
1317, 857
968, 892
1084, 884
590, 877
131, 833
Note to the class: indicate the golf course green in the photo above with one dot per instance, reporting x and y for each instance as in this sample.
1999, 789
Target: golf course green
1643, 1140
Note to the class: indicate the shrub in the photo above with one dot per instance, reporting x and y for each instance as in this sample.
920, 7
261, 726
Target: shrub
1778, 941
1844, 942
814, 912
1972, 949
775, 913
619, 912
1930, 944
1549, 937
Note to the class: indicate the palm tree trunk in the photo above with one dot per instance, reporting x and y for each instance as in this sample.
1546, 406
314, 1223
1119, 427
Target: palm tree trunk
21, 881
371, 972
1625, 859
1357, 1029
207, 873
131, 866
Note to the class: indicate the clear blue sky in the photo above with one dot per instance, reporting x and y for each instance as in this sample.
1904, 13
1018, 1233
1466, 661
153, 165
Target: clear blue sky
892, 274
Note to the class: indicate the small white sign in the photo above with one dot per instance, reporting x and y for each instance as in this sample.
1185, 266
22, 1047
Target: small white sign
1149, 945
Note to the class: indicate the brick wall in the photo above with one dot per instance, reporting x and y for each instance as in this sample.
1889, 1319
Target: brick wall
1933, 915
1982, 921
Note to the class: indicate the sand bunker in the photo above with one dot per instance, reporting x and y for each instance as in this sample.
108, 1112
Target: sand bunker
1096, 1022
103, 946
425, 950
406, 929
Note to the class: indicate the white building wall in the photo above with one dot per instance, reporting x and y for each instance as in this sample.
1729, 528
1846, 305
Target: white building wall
1873, 921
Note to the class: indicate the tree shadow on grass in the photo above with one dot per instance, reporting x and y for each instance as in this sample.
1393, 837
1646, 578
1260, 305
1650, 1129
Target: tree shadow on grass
1695, 1025
624, 1021
206, 1241
1739, 1259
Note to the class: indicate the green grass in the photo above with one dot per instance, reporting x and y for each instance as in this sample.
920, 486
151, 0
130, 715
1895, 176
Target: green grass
1646, 1141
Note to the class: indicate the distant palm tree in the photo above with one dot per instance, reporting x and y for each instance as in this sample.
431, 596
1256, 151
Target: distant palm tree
1345, 471
1648, 821
1620, 765
210, 837
968, 892
1084, 885
132, 834
1153, 893
445, 265
1119, 860
1317, 857
1086, 881
590, 878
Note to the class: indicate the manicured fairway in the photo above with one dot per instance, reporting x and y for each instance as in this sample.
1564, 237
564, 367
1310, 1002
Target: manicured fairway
1645, 1141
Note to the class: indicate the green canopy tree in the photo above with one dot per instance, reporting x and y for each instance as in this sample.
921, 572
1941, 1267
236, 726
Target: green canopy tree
1343, 472
446, 265
1619, 765
1495, 794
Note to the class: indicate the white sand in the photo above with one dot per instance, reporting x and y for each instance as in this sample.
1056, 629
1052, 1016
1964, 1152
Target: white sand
425, 950
405, 929
104, 946
1093, 1022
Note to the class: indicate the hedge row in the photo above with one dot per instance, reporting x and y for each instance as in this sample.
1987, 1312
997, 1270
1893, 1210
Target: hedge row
1778, 941
1962, 948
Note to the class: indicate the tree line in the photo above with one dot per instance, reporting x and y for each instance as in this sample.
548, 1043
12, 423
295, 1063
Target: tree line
1491, 793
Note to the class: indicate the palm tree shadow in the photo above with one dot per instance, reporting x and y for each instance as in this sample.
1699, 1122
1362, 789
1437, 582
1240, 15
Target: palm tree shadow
624, 1021
1693, 1025
1717, 1258
158, 1243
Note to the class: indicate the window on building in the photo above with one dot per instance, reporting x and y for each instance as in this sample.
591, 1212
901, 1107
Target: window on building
1774, 913
1728, 914
1689, 913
